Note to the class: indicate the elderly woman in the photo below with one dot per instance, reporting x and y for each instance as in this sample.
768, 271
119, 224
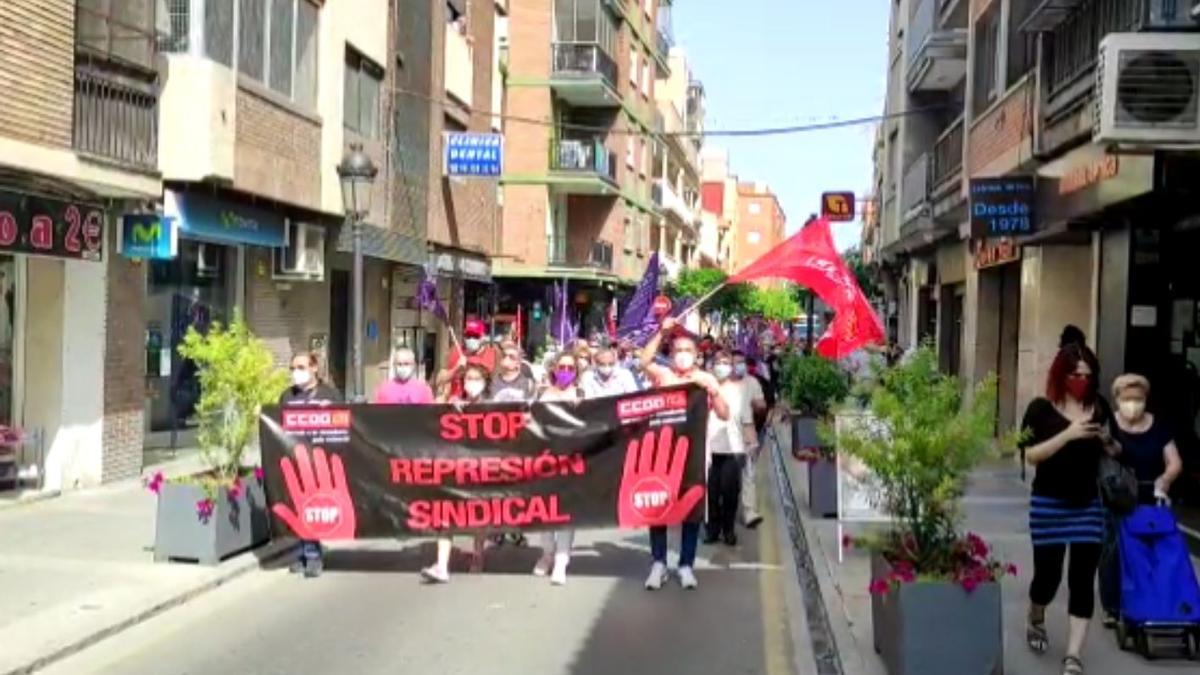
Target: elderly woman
1148, 449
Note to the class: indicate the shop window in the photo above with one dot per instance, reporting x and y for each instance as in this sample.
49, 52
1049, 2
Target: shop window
363, 80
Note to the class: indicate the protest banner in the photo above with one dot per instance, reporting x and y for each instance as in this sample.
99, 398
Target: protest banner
369, 471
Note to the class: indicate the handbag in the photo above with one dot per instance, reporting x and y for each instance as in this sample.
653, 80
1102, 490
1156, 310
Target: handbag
1118, 486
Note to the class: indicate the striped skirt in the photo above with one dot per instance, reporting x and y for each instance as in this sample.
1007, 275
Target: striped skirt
1054, 521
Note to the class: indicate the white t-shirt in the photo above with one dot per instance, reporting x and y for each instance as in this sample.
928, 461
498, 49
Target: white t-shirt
620, 382
725, 436
754, 390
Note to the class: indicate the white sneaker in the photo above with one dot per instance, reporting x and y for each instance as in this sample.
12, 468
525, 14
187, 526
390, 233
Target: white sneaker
542, 568
559, 576
435, 574
658, 574
687, 578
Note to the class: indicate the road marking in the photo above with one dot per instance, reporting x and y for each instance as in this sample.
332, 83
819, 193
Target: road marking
770, 593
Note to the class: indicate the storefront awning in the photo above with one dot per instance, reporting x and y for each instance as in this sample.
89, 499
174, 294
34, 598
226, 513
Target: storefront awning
384, 244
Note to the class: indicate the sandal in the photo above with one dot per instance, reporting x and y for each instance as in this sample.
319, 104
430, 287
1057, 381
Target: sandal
1072, 666
1036, 637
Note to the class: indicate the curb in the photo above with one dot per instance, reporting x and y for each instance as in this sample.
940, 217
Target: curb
238, 566
29, 498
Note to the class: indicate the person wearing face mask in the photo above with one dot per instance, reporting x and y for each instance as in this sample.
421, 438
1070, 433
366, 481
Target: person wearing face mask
607, 378
1148, 449
753, 392
404, 387
474, 351
307, 389
511, 384
728, 441
473, 384
1065, 435
682, 370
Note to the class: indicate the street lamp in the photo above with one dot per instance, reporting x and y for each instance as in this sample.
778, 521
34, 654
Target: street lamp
357, 174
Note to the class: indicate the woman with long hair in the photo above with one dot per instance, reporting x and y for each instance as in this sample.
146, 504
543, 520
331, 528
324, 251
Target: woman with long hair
1065, 435
556, 545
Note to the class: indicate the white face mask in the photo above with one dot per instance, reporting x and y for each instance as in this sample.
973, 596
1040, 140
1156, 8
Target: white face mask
472, 344
474, 388
722, 371
1132, 410
301, 378
404, 373
684, 360
604, 371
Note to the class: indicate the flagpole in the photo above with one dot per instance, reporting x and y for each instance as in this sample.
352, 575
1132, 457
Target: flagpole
692, 307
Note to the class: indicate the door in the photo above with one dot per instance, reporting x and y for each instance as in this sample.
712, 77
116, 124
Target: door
1007, 343
339, 327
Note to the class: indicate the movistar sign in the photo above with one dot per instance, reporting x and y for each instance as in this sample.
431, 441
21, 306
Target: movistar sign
149, 237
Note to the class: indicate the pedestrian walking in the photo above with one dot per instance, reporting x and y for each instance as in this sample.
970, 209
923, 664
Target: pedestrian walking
1066, 434
607, 378
512, 381
404, 387
1148, 449
757, 397
474, 351
556, 545
727, 443
683, 369
474, 387
308, 389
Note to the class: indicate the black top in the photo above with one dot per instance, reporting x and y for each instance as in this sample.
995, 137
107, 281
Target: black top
1069, 474
1143, 452
322, 394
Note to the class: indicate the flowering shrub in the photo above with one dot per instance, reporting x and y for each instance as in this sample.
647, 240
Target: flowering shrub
206, 506
929, 437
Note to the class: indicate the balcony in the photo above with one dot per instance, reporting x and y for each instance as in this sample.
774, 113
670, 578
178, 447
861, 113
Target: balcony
662, 50
674, 205
656, 193
558, 254
953, 13
116, 117
914, 190
584, 75
584, 166
946, 165
460, 66
937, 57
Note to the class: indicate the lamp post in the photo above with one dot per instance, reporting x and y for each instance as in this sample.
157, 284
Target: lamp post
357, 174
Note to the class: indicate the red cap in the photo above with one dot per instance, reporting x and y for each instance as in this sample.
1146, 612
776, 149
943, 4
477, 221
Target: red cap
474, 328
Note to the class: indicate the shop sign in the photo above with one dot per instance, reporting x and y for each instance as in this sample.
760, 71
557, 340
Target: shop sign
1089, 173
837, 207
209, 218
1088, 180
148, 237
472, 154
470, 268
995, 252
49, 227
1001, 207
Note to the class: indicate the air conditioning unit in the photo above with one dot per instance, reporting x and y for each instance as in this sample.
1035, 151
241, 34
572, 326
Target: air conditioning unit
1148, 89
302, 257
209, 261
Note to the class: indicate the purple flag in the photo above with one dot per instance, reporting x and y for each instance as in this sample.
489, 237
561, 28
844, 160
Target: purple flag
562, 328
428, 298
638, 306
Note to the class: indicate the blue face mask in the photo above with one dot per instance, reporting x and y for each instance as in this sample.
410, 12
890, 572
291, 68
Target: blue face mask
739, 369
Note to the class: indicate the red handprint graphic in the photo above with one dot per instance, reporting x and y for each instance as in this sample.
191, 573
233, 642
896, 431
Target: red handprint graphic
651, 481
324, 509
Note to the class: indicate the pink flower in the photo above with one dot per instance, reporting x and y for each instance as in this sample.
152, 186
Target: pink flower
969, 584
978, 547
204, 509
879, 587
258, 473
1011, 570
235, 490
155, 483
903, 571
847, 542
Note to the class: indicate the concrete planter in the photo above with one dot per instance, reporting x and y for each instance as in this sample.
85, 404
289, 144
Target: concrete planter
237, 524
822, 488
937, 628
804, 432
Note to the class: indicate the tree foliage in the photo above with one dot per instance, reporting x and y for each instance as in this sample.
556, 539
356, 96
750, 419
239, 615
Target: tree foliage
733, 300
237, 377
863, 274
774, 303
813, 384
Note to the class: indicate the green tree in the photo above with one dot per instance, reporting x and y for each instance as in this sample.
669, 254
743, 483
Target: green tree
863, 274
733, 300
774, 303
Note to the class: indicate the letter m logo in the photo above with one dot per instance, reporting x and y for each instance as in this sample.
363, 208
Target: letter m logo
147, 233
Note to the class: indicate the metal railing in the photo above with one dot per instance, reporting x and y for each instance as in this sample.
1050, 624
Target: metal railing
920, 27
914, 188
947, 155
662, 44
116, 117
584, 58
556, 249
590, 155
601, 255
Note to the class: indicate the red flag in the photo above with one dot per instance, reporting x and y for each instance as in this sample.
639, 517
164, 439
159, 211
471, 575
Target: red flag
810, 259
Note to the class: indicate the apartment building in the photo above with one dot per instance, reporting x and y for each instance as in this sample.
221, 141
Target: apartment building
580, 130
1094, 101
760, 226
718, 208
676, 190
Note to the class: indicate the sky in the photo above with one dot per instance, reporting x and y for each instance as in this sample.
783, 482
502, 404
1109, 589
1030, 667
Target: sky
771, 63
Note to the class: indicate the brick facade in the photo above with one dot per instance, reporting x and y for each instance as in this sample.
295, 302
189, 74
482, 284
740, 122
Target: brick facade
278, 151
284, 316
124, 368
997, 138
37, 66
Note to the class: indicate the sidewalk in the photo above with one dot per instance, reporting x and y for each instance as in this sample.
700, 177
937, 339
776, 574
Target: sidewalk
79, 567
996, 507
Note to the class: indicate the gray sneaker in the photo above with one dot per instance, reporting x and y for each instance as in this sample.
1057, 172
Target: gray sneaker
658, 575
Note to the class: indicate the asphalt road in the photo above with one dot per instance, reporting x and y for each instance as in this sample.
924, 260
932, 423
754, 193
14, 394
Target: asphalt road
369, 613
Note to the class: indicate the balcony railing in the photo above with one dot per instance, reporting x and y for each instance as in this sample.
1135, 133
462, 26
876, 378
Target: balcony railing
588, 155
116, 117
662, 44
936, 57
914, 189
556, 249
584, 58
947, 155
656, 193
601, 256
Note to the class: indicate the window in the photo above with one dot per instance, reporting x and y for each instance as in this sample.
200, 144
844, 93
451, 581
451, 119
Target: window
755, 208
753, 236
642, 158
1022, 46
218, 31
252, 26
361, 104
646, 76
121, 30
987, 57
633, 68
585, 21
630, 149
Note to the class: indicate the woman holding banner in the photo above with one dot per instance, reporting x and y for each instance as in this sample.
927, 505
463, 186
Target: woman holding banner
556, 545
473, 387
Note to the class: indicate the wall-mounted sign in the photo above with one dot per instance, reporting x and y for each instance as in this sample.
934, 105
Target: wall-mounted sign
472, 154
1001, 207
1089, 179
1089, 173
208, 218
453, 264
994, 252
48, 227
837, 207
148, 237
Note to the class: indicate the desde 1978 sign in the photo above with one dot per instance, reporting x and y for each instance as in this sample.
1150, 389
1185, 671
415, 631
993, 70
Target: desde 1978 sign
48, 227
1002, 207
369, 471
